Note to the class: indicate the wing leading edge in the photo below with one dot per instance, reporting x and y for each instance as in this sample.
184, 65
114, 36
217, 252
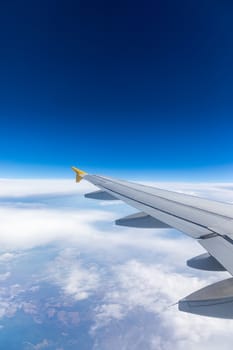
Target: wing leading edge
209, 222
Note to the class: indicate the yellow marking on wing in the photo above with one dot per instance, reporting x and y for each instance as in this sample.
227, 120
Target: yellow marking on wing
79, 173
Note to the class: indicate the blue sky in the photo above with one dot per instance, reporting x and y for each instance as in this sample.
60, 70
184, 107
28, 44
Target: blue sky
120, 86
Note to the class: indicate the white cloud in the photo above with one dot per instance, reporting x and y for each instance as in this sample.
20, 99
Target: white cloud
44, 344
107, 312
25, 228
6, 257
17, 188
153, 288
4, 276
8, 308
75, 279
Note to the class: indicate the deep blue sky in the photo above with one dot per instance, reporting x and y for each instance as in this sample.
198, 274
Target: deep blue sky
122, 85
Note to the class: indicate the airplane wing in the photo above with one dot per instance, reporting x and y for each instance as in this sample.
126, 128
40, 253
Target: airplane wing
209, 222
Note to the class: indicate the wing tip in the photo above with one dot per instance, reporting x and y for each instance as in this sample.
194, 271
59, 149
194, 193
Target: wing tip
79, 173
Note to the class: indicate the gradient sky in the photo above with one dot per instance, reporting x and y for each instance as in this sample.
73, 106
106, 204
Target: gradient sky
116, 85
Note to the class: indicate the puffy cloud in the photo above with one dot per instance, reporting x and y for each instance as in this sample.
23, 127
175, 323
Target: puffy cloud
75, 279
152, 289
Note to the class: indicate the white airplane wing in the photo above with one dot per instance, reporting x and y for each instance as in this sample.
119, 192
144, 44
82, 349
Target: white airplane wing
209, 222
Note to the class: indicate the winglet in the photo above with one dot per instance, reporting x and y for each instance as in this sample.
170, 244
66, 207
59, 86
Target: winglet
79, 173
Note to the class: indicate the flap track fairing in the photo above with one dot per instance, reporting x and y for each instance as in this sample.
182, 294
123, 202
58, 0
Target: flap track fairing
100, 195
215, 300
141, 220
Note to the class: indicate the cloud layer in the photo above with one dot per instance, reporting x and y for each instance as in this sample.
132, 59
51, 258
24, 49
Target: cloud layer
131, 277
